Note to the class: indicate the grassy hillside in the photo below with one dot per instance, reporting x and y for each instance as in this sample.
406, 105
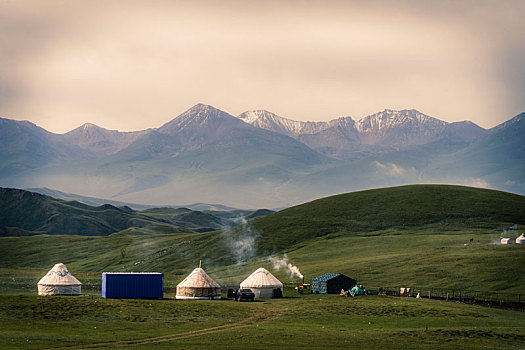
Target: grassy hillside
29, 213
435, 261
26, 212
427, 246
429, 208
206, 220
173, 254
418, 260
193, 221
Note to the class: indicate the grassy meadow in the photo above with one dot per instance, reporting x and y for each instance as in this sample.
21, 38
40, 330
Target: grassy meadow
414, 236
331, 321
380, 260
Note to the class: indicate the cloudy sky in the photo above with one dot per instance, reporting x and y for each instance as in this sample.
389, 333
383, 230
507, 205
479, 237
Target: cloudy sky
131, 65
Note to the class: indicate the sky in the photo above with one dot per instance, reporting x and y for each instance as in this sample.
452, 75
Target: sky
132, 65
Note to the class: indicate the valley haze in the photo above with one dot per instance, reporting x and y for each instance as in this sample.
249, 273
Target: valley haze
259, 159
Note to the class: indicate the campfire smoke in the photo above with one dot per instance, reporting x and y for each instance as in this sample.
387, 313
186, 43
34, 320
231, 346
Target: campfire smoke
284, 263
241, 241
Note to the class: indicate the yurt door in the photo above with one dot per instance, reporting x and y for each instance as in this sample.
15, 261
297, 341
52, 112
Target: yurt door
277, 293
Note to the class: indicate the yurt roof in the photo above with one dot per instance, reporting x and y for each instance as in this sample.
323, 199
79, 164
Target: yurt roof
59, 275
261, 278
198, 278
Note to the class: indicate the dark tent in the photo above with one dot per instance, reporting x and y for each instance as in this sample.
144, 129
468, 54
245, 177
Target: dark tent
331, 283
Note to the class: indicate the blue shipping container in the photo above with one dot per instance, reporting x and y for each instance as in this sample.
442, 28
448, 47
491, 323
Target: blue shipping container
135, 285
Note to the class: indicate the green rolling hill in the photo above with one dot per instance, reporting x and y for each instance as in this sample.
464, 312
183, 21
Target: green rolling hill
406, 209
29, 213
425, 235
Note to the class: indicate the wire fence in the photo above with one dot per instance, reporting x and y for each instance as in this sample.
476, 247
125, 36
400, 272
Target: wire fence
487, 297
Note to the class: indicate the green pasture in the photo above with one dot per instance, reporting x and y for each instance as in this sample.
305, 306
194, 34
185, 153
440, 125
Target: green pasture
440, 237
330, 321
381, 259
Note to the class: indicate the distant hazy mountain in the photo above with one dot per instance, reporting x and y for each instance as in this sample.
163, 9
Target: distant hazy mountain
92, 201
463, 131
344, 138
204, 152
204, 131
497, 158
260, 159
339, 138
493, 159
100, 140
25, 146
100, 201
399, 128
202, 124
517, 122
203, 155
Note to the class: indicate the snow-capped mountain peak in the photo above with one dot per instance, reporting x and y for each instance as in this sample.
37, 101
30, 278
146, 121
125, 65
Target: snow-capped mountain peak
89, 126
386, 129
343, 122
399, 128
270, 121
202, 118
390, 119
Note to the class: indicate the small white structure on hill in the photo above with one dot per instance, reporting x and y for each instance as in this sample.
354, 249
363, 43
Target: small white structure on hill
263, 284
520, 239
198, 285
506, 241
59, 281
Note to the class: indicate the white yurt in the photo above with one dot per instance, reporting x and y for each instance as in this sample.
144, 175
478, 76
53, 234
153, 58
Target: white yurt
198, 285
520, 239
59, 281
263, 284
506, 241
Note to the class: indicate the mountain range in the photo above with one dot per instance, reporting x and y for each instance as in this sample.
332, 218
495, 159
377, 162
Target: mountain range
347, 139
259, 159
29, 213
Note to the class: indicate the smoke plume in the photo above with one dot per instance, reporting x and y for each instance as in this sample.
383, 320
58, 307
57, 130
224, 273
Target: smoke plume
241, 240
284, 262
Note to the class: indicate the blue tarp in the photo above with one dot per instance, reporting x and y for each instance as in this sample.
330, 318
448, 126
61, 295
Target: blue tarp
134, 285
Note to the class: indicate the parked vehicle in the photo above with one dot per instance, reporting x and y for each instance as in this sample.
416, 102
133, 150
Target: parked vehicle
245, 294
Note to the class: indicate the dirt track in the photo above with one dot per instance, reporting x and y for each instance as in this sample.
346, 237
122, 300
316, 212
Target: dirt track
247, 322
